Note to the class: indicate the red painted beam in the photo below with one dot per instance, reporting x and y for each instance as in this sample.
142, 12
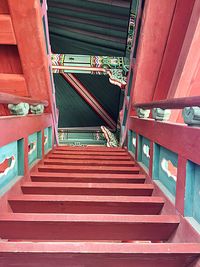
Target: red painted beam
7, 35
28, 254
13, 99
88, 162
13, 84
112, 189
174, 103
87, 227
88, 169
30, 123
90, 99
86, 204
87, 177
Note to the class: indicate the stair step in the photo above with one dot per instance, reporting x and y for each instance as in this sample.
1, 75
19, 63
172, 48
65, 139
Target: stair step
102, 254
100, 153
89, 162
87, 177
89, 148
88, 169
114, 189
86, 204
89, 157
31, 226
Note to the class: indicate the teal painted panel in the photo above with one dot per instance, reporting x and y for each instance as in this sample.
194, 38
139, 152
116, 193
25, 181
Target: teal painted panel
144, 150
9, 156
132, 141
50, 138
165, 167
192, 193
39, 144
125, 116
20, 153
33, 148
47, 139
46, 142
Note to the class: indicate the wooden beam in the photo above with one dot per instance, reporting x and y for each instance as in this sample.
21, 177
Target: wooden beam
13, 99
7, 35
174, 103
22, 126
13, 84
152, 42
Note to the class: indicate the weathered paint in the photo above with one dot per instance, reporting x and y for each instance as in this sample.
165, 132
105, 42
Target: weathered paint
132, 141
9, 151
164, 167
33, 148
192, 193
144, 150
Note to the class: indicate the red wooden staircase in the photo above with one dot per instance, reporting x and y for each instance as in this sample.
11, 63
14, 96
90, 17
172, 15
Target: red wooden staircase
88, 207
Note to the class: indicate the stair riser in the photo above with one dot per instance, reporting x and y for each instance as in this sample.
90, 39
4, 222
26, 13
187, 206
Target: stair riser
66, 230
114, 170
91, 153
53, 259
87, 191
89, 163
88, 157
85, 207
87, 180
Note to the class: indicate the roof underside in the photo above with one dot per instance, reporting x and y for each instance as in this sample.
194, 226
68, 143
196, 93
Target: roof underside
90, 27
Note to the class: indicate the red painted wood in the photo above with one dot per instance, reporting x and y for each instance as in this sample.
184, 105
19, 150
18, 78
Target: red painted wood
180, 184
30, 123
12, 99
10, 60
175, 41
4, 7
99, 153
28, 254
112, 189
174, 103
89, 148
88, 162
27, 22
87, 177
89, 157
13, 84
86, 204
179, 135
86, 226
7, 35
87, 169
151, 48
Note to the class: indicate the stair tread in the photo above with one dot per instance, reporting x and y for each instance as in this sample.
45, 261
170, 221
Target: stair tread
78, 198
29, 254
89, 168
95, 218
93, 157
88, 148
87, 162
101, 247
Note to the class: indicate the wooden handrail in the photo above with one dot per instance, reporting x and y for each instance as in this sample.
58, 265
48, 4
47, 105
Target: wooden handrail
13, 99
175, 103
